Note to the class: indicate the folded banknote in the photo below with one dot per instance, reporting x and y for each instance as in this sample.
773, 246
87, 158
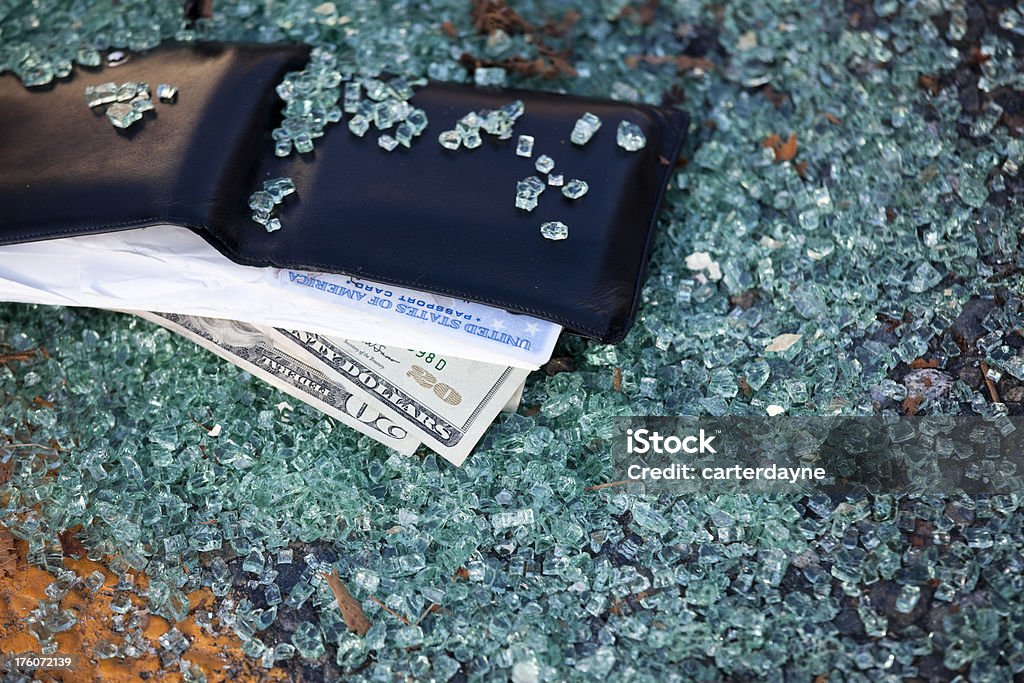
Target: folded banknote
400, 397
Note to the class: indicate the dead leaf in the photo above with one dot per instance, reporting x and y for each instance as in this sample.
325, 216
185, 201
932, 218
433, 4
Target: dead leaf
558, 364
976, 56
8, 558
20, 356
489, 15
911, 404
563, 26
70, 544
929, 83
645, 13
552, 66
617, 380
598, 487
351, 611
777, 98
921, 364
684, 63
783, 150
989, 383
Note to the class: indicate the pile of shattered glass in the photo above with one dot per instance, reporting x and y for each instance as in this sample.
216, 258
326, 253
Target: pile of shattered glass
844, 239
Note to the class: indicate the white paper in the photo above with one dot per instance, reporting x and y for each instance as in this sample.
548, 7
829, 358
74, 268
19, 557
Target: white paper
170, 269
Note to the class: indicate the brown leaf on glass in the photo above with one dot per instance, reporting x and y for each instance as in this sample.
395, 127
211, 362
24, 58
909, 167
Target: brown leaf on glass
683, 63
70, 544
489, 15
784, 150
351, 611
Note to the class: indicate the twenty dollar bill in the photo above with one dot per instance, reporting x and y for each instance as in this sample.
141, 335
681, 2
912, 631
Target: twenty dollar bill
251, 349
446, 402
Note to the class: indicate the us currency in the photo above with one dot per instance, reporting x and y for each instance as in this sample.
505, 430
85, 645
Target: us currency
512, 405
447, 402
251, 349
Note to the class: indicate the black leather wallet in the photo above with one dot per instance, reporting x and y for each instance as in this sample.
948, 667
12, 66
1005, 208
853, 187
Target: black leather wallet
425, 217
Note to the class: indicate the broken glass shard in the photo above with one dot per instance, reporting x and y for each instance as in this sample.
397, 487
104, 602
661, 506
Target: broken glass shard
575, 188
497, 123
471, 139
303, 143
468, 134
554, 230
126, 91
544, 164
404, 134
629, 137
489, 76
261, 201
376, 89
526, 200
359, 124
278, 188
88, 56
449, 139
471, 120
584, 129
308, 640
907, 599
95, 581
351, 100
527, 192
524, 148
504, 520
142, 103
417, 120
513, 110
165, 92
531, 184
104, 93
122, 114
399, 89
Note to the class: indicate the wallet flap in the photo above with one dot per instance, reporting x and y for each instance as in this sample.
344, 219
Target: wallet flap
67, 170
425, 217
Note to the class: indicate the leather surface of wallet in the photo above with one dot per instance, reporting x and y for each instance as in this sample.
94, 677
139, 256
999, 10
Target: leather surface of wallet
425, 217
